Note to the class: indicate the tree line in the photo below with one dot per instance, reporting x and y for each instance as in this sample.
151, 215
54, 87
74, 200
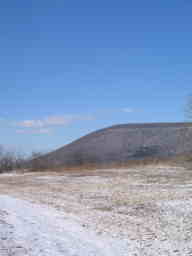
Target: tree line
11, 160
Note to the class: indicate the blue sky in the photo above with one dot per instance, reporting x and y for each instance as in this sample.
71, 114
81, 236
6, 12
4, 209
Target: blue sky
71, 67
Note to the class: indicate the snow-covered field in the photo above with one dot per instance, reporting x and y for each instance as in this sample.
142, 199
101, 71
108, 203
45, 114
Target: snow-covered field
145, 211
28, 229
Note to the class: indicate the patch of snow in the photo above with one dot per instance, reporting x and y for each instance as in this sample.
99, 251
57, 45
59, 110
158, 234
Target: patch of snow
8, 174
34, 230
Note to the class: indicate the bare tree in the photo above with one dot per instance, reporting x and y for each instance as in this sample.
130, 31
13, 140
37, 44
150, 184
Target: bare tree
11, 160
188, 108
8, 160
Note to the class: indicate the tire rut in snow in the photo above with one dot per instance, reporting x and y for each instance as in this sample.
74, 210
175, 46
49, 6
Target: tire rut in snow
8, 246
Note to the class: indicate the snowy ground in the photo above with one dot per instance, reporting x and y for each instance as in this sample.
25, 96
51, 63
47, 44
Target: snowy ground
145, 211
31, 230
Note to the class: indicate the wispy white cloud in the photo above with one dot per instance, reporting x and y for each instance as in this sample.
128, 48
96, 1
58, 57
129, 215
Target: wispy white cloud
31, 123
128, 110
54, 121
34, 131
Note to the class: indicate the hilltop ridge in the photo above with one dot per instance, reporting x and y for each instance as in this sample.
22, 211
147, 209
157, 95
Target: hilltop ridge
123, 142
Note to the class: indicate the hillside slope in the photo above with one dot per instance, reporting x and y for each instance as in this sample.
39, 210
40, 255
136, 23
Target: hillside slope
120, 143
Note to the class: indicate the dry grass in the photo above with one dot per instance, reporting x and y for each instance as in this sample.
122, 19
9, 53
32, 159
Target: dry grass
104, 187
117, 200
183, 160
